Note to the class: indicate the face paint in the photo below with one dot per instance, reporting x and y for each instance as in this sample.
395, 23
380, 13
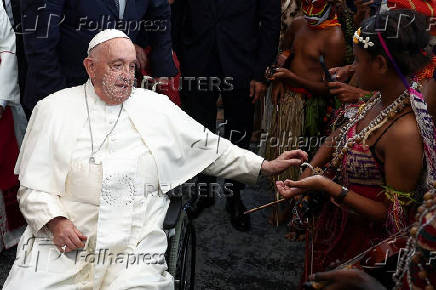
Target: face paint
319, 14
316, 11
117, 86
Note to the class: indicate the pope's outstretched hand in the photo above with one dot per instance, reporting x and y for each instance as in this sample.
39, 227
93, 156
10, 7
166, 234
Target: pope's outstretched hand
65, 235
283, 162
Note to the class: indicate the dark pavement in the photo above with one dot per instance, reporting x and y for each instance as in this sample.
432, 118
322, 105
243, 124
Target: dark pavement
259, 259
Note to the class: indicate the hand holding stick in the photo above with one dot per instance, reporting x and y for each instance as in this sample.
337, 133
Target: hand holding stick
315, 171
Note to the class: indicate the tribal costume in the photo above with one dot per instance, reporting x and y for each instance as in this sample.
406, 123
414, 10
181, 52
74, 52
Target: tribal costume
339, 234
418, 267
318, 109
299, 115
290, 9
426, 7
287, 119
319, 15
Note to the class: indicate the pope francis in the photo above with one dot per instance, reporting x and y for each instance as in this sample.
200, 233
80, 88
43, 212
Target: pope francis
94, 167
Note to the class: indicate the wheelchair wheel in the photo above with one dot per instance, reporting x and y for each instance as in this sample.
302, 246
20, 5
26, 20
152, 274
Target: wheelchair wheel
181, 263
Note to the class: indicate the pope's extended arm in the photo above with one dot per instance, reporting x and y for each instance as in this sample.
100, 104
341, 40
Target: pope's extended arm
39, 207
236, 163
245, 166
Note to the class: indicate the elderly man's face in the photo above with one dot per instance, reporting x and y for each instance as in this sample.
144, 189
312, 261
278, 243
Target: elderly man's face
112, 70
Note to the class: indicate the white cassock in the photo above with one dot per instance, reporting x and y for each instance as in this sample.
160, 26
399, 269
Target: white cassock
118, 203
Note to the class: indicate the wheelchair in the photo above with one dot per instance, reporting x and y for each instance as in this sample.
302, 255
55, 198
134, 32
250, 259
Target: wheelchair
181, 254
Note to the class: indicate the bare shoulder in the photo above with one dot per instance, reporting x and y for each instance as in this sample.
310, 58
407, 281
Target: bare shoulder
334, 46
403, 150
298, 23
405, 131
334, 36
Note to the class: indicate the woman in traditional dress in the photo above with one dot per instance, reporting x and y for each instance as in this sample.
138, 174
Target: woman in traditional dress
374, 163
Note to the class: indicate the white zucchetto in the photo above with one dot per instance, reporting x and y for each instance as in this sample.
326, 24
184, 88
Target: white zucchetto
104, 36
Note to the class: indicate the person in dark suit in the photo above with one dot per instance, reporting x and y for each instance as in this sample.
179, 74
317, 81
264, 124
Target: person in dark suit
57, 33
224, 47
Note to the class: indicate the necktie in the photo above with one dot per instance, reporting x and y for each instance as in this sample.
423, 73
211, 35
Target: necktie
117, 4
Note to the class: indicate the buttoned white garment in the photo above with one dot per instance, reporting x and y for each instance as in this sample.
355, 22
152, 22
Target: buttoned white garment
93, 200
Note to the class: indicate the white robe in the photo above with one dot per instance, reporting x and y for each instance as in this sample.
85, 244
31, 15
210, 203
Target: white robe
119, 204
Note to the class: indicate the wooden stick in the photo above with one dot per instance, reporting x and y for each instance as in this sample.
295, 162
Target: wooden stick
265, 206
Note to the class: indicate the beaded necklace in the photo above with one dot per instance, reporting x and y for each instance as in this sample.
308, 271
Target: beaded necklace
426, 210
386, 114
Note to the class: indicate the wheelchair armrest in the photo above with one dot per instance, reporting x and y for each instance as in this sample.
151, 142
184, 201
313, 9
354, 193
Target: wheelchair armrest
173, 213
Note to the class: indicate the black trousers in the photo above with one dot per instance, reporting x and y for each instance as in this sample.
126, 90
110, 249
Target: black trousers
238, 115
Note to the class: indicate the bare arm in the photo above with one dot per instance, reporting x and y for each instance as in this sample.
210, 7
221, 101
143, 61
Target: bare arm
374, 210
323, 155
403, 154
288, 38
402, 171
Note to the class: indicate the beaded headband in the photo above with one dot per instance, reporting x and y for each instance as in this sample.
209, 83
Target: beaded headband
365, 41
